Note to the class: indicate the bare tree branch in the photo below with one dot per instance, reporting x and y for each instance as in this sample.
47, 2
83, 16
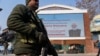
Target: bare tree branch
91, 5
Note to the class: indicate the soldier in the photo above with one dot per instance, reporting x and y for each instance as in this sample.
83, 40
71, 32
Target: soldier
95, 30
24, 21
4, 41
20, 21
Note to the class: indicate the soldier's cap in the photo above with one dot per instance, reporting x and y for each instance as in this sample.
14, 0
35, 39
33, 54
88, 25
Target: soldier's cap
27, 1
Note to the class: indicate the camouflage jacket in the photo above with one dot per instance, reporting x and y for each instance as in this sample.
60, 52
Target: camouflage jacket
26, 30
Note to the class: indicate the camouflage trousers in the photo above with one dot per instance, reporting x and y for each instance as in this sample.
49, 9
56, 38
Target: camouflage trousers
5, 44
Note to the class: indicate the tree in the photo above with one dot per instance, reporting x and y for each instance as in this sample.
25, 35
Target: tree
93, 6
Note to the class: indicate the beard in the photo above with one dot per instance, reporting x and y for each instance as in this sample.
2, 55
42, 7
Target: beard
34, 7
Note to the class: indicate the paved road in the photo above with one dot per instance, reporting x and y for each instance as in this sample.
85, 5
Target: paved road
77, 55
61, 55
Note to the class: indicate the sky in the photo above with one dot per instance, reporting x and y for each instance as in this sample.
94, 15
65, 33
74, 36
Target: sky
7, 7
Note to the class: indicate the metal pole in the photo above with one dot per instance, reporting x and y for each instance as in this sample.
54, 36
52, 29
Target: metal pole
99, 6
99, 37
0, 9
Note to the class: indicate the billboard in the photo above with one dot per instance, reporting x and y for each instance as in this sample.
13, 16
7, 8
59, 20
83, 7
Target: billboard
64, 25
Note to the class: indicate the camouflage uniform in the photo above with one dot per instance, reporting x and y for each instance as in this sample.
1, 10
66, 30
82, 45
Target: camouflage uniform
26, 31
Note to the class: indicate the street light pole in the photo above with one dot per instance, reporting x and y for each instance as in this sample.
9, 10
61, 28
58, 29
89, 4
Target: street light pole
0, 9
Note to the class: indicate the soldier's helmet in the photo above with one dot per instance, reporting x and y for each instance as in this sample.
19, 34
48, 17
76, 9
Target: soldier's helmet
27, 1
95, 24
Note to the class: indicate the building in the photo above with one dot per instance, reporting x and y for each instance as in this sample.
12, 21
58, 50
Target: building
67, 26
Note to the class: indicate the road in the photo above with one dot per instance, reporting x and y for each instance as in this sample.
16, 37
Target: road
60, 55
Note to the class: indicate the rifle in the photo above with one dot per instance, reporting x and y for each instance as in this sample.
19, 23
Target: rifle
47, 46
